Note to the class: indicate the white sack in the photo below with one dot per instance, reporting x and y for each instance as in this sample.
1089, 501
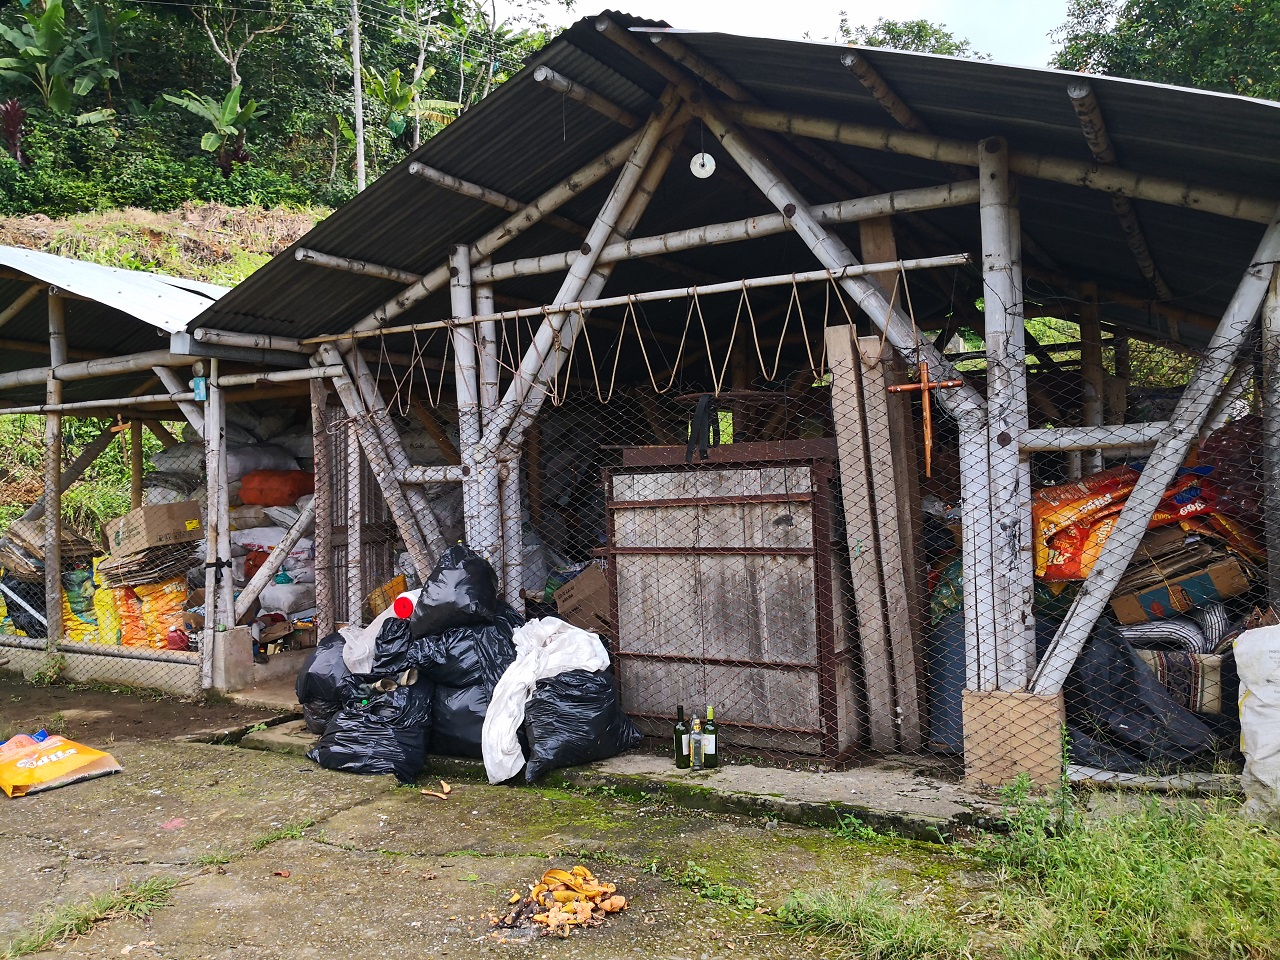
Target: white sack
287, 598
545, 648
1258, 660
180, 458
261, 456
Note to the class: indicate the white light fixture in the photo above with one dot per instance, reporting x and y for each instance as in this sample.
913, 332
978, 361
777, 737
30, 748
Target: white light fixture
702, 165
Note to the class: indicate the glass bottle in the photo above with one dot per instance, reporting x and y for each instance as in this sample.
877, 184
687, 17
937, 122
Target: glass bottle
681, 740
695, 745
709, 757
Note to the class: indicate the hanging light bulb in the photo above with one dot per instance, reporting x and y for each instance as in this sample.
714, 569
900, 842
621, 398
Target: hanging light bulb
702, 165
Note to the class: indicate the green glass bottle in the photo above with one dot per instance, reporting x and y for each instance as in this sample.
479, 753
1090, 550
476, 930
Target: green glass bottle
709, 756
681, 740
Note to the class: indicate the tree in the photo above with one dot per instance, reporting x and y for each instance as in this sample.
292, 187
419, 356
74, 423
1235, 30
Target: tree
919, 36
1229, 45
231, 28
51, 57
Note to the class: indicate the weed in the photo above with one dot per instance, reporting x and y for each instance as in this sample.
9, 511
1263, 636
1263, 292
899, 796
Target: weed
849, 827
695, 878
214, 859
290, 831
137, 900
257, 728
56, 724
875, 924
50, 670
1169, 880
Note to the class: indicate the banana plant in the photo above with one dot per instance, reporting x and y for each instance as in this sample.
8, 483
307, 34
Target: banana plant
51, 57
229, 120
403, 100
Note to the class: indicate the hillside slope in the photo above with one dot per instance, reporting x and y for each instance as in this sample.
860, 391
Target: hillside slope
209, 242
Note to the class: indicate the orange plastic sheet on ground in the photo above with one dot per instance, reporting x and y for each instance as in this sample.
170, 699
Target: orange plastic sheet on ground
30, 765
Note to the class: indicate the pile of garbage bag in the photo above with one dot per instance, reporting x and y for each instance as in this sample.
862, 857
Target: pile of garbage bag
462, 675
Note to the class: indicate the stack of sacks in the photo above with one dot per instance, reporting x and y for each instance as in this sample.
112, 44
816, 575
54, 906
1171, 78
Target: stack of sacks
272, 502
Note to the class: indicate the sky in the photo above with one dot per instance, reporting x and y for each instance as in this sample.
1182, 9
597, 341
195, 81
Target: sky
1011, 31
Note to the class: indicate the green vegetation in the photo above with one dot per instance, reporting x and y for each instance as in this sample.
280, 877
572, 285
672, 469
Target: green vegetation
137, 901
215, 859
109, 103
290, 831
876, 925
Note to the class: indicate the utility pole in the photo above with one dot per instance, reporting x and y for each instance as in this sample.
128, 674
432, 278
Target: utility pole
355, 65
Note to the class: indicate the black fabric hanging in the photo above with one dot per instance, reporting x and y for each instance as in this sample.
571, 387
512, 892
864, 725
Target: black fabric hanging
704, 429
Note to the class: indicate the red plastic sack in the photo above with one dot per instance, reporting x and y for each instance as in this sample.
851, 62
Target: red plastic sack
276, 488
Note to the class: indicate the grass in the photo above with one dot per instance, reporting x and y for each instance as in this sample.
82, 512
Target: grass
137, 900
290, 831
695, 878
1168, 880
875, 925
214, 859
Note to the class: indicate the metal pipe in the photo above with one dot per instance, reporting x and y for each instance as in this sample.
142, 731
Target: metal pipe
673, 293
1113, 180
576, 91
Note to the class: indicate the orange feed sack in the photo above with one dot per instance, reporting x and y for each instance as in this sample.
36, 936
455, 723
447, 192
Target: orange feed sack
276, 488
30, 766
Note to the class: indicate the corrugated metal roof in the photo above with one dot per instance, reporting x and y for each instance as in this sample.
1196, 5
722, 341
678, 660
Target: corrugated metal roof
112, 312
524, 138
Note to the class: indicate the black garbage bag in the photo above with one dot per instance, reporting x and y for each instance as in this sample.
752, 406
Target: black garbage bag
467, 656
383, 733
575, 718
392, 650
33, 595
461, 591
1121, 717
458, 714
324, 683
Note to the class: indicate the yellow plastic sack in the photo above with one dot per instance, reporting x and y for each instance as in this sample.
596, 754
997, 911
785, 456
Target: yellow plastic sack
28, 765
162, 609
110, 628
78, 627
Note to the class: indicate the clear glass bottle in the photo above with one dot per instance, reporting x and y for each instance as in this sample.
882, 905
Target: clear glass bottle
695, 745
709, 756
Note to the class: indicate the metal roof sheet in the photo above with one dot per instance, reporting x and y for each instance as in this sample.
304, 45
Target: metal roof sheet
523, 139
114, 312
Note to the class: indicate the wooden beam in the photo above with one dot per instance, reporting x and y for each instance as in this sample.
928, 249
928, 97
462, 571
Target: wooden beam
1092, 373
53, 477
1113, 180
576, 91
1189, 415
161, 433
135, 464
361, 267
75, 470
1270, 389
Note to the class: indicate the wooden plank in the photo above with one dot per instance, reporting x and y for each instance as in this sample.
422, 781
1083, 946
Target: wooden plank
894, 484
857, 495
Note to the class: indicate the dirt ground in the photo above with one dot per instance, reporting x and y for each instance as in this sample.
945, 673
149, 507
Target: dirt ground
95, 715
277, 858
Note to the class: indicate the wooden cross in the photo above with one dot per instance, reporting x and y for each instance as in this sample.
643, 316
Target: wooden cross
925, 386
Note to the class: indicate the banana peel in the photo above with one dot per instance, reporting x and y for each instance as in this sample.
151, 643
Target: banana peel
564, 899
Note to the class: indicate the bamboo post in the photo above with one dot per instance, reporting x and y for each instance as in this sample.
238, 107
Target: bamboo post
1270, 389
1092, 372
191, 411
384, 471
321, 448
420, 510
576, 91
834, 255
516, 224
275, 560
463, 337
75, 470
161, 433
355, 529
524, 396
1184, 425
495, 499
215, 520
512, 532
24, 298
1012, 632
53, 477
62, 370
135, 464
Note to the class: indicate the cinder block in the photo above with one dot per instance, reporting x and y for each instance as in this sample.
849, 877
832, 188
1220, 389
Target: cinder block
1011, 732
232, 659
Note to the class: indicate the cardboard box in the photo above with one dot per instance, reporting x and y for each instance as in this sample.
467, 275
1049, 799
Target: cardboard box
584, 601
303, 637
1009, 732
1216, 582
158, 526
